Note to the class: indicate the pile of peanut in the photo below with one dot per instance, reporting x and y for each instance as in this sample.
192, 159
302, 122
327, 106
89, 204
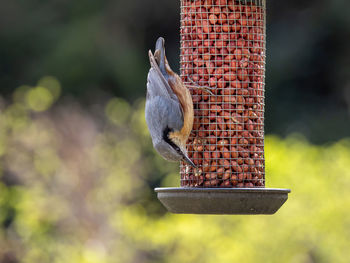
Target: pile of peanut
223, 49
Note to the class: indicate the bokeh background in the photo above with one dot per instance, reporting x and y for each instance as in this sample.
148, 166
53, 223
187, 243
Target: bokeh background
77, 168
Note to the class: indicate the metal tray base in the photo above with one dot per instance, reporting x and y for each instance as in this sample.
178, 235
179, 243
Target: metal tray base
234, 201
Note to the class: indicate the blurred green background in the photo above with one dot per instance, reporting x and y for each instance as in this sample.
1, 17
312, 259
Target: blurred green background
77, 168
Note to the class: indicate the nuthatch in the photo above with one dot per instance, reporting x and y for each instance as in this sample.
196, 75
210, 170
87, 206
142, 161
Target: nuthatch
169, 108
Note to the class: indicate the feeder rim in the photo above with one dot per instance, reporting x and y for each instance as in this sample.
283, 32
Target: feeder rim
222, 190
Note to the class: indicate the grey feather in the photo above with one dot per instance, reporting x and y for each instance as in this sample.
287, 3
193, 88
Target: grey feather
164, 106
157, 85
162, 113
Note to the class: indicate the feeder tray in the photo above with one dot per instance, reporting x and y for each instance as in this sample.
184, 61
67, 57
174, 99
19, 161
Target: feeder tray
233, 201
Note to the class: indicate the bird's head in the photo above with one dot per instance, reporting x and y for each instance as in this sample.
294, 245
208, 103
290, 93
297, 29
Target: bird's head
173, 147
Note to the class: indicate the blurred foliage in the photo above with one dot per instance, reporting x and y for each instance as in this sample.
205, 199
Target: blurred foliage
76, 185
99, 48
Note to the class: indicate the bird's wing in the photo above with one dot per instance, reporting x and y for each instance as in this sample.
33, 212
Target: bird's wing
156, 83
162, 113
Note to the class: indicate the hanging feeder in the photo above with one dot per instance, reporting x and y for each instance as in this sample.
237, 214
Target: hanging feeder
223, 47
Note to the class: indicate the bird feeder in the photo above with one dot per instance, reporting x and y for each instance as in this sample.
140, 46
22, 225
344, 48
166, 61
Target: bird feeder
223, 45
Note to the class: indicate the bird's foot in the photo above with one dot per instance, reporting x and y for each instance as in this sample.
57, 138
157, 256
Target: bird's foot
205, 89
196, 86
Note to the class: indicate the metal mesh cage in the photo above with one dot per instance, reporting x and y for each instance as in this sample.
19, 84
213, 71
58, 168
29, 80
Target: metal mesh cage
223, 48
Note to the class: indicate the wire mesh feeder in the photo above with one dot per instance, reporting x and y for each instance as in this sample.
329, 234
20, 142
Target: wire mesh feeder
223, 48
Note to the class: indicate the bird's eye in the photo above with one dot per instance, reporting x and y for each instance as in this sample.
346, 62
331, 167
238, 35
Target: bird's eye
170, 142
166, 134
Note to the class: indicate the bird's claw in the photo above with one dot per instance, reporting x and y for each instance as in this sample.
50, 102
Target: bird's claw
196, 86
206, 89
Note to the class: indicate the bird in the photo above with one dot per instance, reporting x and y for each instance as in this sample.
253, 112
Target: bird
169, 108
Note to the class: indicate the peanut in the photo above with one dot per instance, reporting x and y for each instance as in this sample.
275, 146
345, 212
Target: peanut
222, 47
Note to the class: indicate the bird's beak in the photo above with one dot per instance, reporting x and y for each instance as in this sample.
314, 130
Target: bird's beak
188, 160
182, 151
